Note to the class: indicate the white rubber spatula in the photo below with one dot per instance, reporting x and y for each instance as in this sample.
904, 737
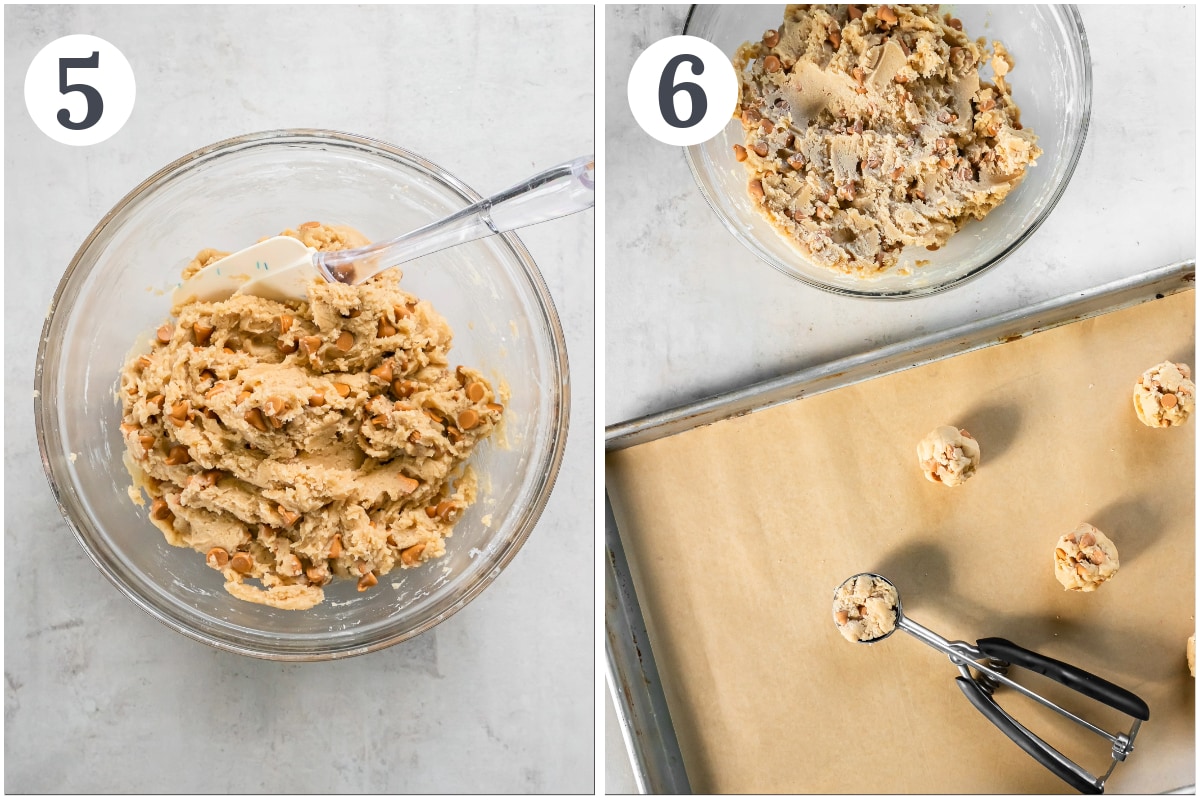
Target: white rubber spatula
281, 268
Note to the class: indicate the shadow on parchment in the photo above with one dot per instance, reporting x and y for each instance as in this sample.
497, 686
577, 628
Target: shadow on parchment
924, 578
995, 427
1133, 524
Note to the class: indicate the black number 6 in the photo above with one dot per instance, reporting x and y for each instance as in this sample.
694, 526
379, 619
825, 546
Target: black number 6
667, 91
95, 103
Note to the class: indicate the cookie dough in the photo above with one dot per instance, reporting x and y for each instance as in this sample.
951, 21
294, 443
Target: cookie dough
1084, 559
295, 443
1191, 654
864, 608
948, 455
1164, 397
869, 129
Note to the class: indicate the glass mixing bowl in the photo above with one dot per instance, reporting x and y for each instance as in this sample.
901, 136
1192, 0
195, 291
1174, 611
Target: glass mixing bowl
227, 196
1052, 83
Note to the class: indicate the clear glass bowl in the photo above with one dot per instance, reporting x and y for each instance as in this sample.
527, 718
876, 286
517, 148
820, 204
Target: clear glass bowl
229, 195
1052, 83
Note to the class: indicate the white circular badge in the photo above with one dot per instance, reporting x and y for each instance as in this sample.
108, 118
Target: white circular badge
682, 90
79, 89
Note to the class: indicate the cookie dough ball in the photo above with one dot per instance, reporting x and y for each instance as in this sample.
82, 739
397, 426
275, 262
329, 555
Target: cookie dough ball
948, 455
1191, 654
864, 608
1165, 396
1084, 559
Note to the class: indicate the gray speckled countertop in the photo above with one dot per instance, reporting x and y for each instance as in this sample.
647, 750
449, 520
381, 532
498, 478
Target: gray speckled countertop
98, 696
690, 313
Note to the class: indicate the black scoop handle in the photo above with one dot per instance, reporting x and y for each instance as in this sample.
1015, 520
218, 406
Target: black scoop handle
1043, 753
1072, 677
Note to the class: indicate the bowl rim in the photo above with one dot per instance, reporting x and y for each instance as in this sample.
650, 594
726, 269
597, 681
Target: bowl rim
1071, 13
549, 465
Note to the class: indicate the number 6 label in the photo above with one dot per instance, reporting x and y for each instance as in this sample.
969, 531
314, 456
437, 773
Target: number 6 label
79, 90
682, 90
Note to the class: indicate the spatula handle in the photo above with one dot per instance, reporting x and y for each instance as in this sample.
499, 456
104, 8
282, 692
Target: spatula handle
556, 192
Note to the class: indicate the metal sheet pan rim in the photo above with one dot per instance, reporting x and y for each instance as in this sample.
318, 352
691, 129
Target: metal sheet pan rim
895, 357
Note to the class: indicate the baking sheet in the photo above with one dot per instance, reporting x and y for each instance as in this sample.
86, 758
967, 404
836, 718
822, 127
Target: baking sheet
737, 534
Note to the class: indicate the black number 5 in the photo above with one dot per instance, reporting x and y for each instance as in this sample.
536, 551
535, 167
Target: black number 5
95, 103
667, 90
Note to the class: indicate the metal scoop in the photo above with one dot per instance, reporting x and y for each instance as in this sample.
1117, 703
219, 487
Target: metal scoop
984, 667
281, 268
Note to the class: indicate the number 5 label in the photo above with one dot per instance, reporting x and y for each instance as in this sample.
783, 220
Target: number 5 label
682, 90
79, 90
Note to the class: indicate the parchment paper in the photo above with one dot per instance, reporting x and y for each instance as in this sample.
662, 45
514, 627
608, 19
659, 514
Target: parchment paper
738, 533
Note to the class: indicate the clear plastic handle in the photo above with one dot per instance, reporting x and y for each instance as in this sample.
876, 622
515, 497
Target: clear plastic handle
556, 192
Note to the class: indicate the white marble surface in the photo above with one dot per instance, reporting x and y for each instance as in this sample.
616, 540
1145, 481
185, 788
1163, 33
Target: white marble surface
690, 313
101, 698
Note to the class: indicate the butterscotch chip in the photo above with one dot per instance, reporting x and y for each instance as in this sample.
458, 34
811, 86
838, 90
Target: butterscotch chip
411, 556
383, 372
367, 581
311, 344
407, 485
202, 333
468, 419
241, 562
345, 341
177, 456
163, 334
255, 417
343, 389
159, 509
217, 558
335, 546
289, 517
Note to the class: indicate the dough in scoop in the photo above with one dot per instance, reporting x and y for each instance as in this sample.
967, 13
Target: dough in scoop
864, 608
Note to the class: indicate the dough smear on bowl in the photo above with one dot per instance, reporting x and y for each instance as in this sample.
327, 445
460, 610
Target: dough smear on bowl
296, 443
1084, 559
1164, 396
869, 129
